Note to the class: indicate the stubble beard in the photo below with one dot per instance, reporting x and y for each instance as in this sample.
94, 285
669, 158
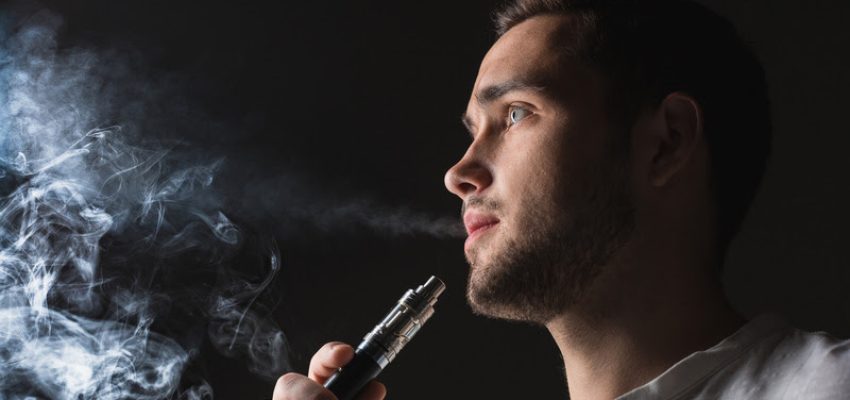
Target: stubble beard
548, 266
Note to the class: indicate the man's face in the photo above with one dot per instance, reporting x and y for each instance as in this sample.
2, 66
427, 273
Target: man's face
544, 185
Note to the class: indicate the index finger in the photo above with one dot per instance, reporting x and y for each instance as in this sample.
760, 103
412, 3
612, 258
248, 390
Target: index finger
330, 358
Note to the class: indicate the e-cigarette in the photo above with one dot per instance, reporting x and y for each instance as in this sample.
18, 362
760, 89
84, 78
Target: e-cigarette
380, 346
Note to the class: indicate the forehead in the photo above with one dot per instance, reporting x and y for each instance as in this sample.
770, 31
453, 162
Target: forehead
535, 50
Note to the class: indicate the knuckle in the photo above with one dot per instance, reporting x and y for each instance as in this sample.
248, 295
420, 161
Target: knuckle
289, 382
288, 379
294, 386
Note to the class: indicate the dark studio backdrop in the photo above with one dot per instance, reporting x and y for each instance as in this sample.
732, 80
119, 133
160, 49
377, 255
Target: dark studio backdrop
321, 108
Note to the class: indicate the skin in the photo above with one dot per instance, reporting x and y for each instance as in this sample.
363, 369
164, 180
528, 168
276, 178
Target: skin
324, 363
652, 294
544, 163
657, 297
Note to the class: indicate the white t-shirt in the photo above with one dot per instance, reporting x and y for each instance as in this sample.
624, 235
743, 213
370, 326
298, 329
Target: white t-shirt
765, 359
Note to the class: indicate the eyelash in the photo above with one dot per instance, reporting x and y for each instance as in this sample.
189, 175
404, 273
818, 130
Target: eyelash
511, 109
509, 124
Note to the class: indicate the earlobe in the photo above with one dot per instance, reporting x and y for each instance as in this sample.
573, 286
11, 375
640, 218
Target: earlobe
679, 132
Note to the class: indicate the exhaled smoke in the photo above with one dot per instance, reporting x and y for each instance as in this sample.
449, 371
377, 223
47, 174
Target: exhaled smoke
366, 214
117, 261
298, 204
114, 254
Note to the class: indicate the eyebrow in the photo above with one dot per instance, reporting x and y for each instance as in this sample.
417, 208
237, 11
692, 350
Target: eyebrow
467, 122
492, 93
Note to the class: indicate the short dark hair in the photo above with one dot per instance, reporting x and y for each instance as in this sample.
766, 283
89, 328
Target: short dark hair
648, 49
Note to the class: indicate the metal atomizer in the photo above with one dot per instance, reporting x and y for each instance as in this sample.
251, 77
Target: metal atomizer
381, 346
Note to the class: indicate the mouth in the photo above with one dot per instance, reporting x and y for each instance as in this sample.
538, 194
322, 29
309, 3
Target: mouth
477, 224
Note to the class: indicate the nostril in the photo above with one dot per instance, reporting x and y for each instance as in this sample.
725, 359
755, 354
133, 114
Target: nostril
466, 187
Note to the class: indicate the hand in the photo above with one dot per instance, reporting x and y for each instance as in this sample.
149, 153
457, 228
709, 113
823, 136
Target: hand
324, 363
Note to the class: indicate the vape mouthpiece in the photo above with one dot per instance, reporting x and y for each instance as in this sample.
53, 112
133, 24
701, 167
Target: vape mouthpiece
432, 289
385, 341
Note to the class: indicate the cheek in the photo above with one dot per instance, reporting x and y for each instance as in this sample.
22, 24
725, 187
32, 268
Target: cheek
536, 177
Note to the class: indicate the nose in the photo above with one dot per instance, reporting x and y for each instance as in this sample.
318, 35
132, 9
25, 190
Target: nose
469, 176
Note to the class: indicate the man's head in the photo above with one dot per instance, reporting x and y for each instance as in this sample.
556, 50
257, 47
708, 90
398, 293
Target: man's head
551, 182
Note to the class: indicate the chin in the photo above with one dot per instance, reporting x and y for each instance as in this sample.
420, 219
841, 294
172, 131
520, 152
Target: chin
493, 292
526, 280
484, 303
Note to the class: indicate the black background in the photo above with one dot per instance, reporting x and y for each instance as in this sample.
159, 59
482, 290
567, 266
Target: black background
354, 100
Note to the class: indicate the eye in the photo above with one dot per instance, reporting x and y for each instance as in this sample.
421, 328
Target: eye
516, 114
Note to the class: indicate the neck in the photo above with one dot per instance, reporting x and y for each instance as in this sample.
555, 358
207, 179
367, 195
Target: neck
653, 315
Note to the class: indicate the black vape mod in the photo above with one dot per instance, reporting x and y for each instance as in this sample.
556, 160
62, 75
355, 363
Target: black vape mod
383, 343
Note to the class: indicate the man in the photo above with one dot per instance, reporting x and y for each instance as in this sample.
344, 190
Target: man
616, 146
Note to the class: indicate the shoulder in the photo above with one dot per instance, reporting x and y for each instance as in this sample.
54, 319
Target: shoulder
818, 352
765, 359
776, 361
810, 365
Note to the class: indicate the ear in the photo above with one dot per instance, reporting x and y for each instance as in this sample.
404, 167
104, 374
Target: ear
672, 138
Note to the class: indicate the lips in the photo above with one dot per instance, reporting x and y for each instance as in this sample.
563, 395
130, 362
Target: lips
477, 223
